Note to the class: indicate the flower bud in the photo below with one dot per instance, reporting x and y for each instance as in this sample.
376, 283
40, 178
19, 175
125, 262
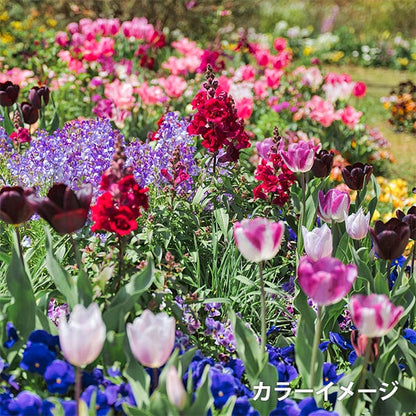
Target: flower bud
333, 205
300, 156
175, 389
82, 337
357, 224
318, 242
14, 205
359, 343
151, 338
258, 239
8, 93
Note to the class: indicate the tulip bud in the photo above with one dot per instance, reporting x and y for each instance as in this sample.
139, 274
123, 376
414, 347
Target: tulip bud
14, 206
326, 280
8, 93
318, 242
258, 239
359, 343
82, 337
299, 156
357, 224
151, 338
390, 239
36, 94
354, 175
65, 210
30, 113
333, 205
175, 389
409, 219
322, 164
374, 315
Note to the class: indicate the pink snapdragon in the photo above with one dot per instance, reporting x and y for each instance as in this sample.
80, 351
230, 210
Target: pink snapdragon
374, 315
299, 156
327, 280
258, 239
334, 205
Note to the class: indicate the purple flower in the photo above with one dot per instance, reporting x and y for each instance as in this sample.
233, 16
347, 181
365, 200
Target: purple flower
69, 406
101, 402
59, 376
25, 403
223, 386
286, 372
330, 373
12, 336
36, 358
213, 309
339, 340
410, 335
44, 337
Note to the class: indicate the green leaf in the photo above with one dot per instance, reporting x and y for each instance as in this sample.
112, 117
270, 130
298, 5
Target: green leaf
23, 309
269, 377
54, 124
64, 283
126, 297
223, 220
203, 397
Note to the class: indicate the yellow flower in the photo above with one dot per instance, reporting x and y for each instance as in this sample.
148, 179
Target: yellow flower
6, 38
4, 16
16, 25
51, 22
403, 61
307, 50
337, 56
413, 56
376, 216
386, 105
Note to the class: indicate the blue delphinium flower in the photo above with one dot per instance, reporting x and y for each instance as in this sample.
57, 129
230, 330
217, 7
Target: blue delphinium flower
330, 375
36, 358
59, 376
149, 158
11, 334
78, 153
410, 335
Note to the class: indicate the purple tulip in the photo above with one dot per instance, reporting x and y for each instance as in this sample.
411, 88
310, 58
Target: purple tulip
318, 242
8, 93
333, 205
151, 338
390, 239
30, 113
299, 156
322, 164
326, 280
374, 315
354, 175
36, 94
258, 239
357, 224
14, 206
409, 219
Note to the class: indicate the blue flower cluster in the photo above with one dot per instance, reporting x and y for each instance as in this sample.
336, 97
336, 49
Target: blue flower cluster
150, 158
78, 153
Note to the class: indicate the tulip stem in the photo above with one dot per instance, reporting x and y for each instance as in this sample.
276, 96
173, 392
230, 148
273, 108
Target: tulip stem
78, 388
363, 372
76, 253
302, 212
120, 263
155, 379
19, 243
388, 271
263, 309
315, 347
357, 201
413, 258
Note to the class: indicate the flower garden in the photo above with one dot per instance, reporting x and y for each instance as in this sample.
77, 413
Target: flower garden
194, 229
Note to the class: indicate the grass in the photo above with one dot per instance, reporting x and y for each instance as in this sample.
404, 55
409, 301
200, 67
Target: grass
380, 82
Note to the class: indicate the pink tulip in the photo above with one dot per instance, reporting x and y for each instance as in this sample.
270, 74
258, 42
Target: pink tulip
299, 156
82, 337
175, 389
264, 147
151, 338
326, 280
374, 315
258, 239
349, 116
359, 89
357, 224
318, 242
333, 205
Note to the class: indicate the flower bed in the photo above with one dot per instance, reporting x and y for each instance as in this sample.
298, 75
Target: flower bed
211, 243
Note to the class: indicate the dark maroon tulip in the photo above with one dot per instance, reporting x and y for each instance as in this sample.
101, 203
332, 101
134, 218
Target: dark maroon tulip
354, 175
36, 94
14, 204
64, 209
322, 164
409, 219
8, 93
30, 113
390, 239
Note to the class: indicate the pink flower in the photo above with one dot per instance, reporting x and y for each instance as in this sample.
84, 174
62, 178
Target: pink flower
338, 91
175, 388
359, 89
321, 111
326, 280
357, 224
264, 147
245, 73
62, 38
260, 89
151, 338
173, 85
349, 116
280, 44
299, 156
273, 77
258, 239
374, 315
121, 94
318, 242
150, 95
244, 108
224, 84
334, 205
184, 46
